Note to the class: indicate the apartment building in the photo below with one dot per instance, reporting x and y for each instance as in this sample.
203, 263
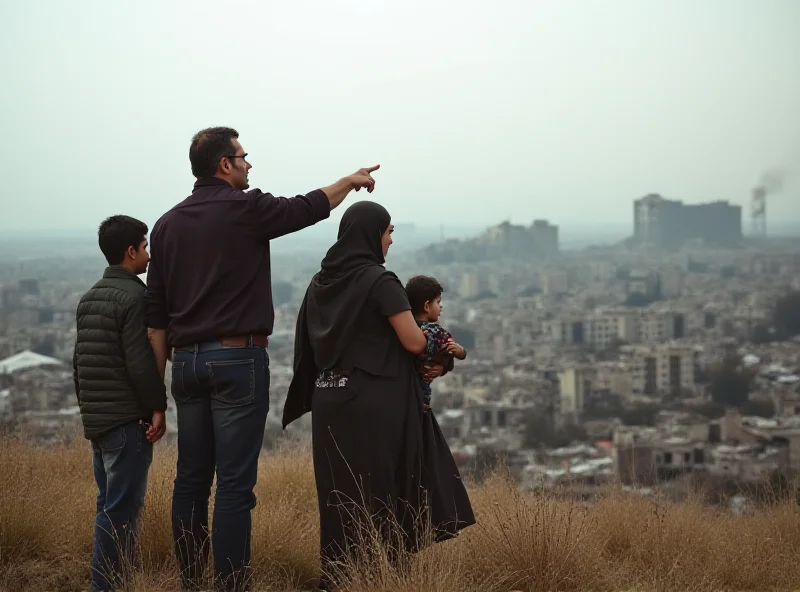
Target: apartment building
643, 282
615, 377
671, 282
604, 328
574, 387
665, 369
472, 284
555, 282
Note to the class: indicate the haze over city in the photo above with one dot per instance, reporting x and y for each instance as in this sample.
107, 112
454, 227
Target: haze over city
477, 112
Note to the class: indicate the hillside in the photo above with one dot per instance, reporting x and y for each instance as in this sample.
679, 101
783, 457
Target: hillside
523, 541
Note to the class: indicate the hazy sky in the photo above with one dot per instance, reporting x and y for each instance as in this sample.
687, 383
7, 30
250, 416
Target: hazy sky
477, 111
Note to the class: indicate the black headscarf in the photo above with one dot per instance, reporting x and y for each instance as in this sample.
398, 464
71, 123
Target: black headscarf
351, 267
358, 244
335, 299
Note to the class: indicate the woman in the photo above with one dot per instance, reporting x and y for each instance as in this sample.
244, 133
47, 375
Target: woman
376, 452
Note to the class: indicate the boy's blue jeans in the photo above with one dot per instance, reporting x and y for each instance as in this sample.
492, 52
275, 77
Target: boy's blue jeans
121, 460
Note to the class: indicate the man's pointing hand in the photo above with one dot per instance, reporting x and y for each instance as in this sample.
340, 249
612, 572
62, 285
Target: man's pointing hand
339, 190
363, 178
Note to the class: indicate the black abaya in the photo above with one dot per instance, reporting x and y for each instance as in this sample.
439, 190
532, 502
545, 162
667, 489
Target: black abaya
377, 453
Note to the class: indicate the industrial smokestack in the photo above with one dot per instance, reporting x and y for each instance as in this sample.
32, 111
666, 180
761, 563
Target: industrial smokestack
770, 182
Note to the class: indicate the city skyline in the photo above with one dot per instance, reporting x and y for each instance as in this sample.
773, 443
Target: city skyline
580, 230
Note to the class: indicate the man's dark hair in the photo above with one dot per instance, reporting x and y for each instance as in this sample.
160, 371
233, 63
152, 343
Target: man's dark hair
422, 289
117, 233
208, 147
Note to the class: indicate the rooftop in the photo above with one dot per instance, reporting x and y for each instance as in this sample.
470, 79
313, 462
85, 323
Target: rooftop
25, 360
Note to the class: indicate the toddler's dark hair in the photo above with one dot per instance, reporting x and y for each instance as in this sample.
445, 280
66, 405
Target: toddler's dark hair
422, 289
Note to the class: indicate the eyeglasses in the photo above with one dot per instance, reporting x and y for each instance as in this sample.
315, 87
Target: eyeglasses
237, 156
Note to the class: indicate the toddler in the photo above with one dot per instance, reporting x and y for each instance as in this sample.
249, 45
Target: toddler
425, 297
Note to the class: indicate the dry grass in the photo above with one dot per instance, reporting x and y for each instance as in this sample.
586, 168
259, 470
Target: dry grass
522, 542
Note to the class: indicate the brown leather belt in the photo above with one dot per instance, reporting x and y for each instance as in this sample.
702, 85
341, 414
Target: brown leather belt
236, 341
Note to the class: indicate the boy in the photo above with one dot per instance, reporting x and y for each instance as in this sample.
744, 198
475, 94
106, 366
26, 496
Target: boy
425, 297
121, 396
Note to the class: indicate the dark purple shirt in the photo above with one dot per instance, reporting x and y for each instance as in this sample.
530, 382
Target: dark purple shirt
209, 275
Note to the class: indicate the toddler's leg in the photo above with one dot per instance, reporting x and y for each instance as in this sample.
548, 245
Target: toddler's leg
426, 394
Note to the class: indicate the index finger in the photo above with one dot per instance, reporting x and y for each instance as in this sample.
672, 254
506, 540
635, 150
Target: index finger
373, 168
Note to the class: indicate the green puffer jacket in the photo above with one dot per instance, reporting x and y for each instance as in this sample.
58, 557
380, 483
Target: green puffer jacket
116, 377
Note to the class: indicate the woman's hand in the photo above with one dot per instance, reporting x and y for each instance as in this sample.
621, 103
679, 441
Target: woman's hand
431, 371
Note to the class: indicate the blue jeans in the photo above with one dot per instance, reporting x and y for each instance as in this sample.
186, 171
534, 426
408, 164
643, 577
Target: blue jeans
121, 459
222, 400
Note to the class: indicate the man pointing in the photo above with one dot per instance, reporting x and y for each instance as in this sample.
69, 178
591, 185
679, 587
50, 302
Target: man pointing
209, 297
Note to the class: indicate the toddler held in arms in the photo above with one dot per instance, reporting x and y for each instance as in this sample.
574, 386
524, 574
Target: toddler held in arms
425, 297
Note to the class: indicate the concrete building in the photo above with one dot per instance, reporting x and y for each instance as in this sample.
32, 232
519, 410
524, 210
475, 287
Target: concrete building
483, 420
545, 238
540, 240
664, 369
645, 456
671, 282
29, 286
667, 224
555, 282
655, 326
502, 284
643, 282
574, 387
614, 377
472, 285
603, 328
746, 463
566, 329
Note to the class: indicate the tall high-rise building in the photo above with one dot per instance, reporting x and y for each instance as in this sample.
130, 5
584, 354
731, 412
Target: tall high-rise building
575, 386
511, 240
545, 238
663, 369
29, 286
665, 224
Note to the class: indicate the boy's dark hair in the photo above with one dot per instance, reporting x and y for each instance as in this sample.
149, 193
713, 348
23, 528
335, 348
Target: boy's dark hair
117, 233
208, 147
422, 289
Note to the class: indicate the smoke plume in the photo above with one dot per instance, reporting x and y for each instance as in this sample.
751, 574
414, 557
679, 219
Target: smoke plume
770, 182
